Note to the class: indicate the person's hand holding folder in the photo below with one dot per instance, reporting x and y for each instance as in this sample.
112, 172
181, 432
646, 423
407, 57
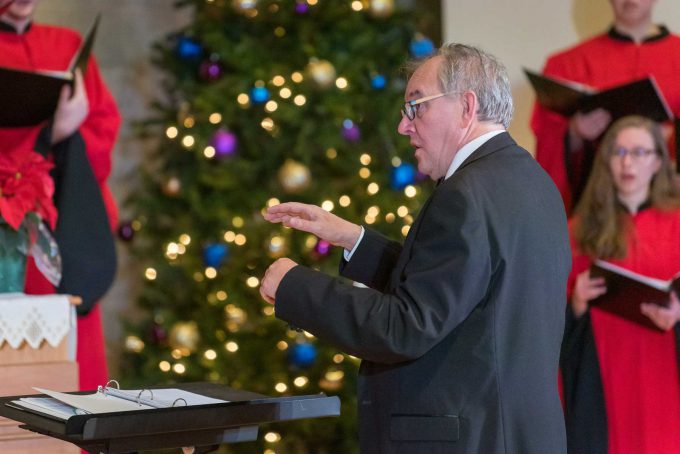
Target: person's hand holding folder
586, 288
72, 109
666, 317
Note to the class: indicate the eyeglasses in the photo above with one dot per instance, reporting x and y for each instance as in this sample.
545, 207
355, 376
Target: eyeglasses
635, 153
410, 109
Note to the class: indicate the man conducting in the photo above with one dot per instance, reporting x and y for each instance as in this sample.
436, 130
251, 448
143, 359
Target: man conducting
460, 328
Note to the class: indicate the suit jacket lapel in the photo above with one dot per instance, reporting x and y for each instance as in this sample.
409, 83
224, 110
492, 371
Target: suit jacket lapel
492, 145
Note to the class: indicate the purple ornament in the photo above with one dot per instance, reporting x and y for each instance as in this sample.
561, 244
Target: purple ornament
210, 71
158, 334
125, 231
301, 7
350, 131
224, 142
322, 248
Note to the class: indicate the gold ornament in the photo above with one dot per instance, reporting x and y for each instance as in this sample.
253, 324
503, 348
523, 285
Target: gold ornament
294, 176
172, 186
134, 344
184, 336
322, 71
235, 315
381, 8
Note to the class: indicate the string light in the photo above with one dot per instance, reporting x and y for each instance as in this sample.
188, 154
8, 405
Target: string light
188, 141
285, 93
341, 83
271, 106
179, 368
300, 100
281, 387
331, 153
150, 274
301, 381
209, 152
272, 437
410, 191
297, 77
164, 366
365, 159
171, 132
231, 347
210, 355
215, 118
344, 201
243, 99
327, 205
373, 189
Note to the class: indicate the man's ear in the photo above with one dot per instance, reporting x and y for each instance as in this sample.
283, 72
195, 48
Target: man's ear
469, 101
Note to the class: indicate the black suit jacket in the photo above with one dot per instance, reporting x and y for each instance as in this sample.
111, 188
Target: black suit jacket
460, 329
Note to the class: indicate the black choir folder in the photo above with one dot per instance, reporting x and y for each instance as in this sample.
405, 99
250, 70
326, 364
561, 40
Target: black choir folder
627, 290
202, 415
641, 97
28, 98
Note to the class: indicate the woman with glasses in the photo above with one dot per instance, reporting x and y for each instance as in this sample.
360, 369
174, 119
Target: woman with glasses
621, 383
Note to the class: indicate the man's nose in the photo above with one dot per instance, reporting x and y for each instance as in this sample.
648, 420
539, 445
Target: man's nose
405, 126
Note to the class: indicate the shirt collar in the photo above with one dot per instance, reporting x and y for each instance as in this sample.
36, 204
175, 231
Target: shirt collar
469, 148
617, 35
7, 27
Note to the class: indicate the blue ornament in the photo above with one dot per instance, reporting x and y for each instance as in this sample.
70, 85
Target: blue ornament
302, 355
188, 48
378, 82
421, 47
214, 254
402, 175
259, 95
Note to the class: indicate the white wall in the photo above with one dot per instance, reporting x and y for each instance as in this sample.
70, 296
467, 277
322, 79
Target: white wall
521, 33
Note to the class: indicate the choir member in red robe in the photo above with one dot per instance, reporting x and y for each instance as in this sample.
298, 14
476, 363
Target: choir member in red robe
88, 113
633, 48
621, 383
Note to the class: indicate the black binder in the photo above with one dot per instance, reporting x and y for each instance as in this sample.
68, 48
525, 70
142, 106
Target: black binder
204, 427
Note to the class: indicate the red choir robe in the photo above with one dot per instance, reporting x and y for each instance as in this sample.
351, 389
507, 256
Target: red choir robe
621, 381
44, 47
602, 62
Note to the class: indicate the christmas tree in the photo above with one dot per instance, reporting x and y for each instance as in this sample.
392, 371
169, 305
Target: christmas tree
267, 101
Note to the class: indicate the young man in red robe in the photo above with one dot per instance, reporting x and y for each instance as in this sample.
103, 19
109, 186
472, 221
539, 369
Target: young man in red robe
633, 48
86, 121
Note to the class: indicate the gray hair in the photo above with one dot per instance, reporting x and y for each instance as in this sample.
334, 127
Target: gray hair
466, 68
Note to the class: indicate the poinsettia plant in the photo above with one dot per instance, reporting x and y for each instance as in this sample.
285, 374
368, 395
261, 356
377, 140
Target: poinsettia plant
26, 187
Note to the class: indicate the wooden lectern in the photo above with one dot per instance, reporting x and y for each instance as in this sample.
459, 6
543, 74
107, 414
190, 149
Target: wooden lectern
23, 366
